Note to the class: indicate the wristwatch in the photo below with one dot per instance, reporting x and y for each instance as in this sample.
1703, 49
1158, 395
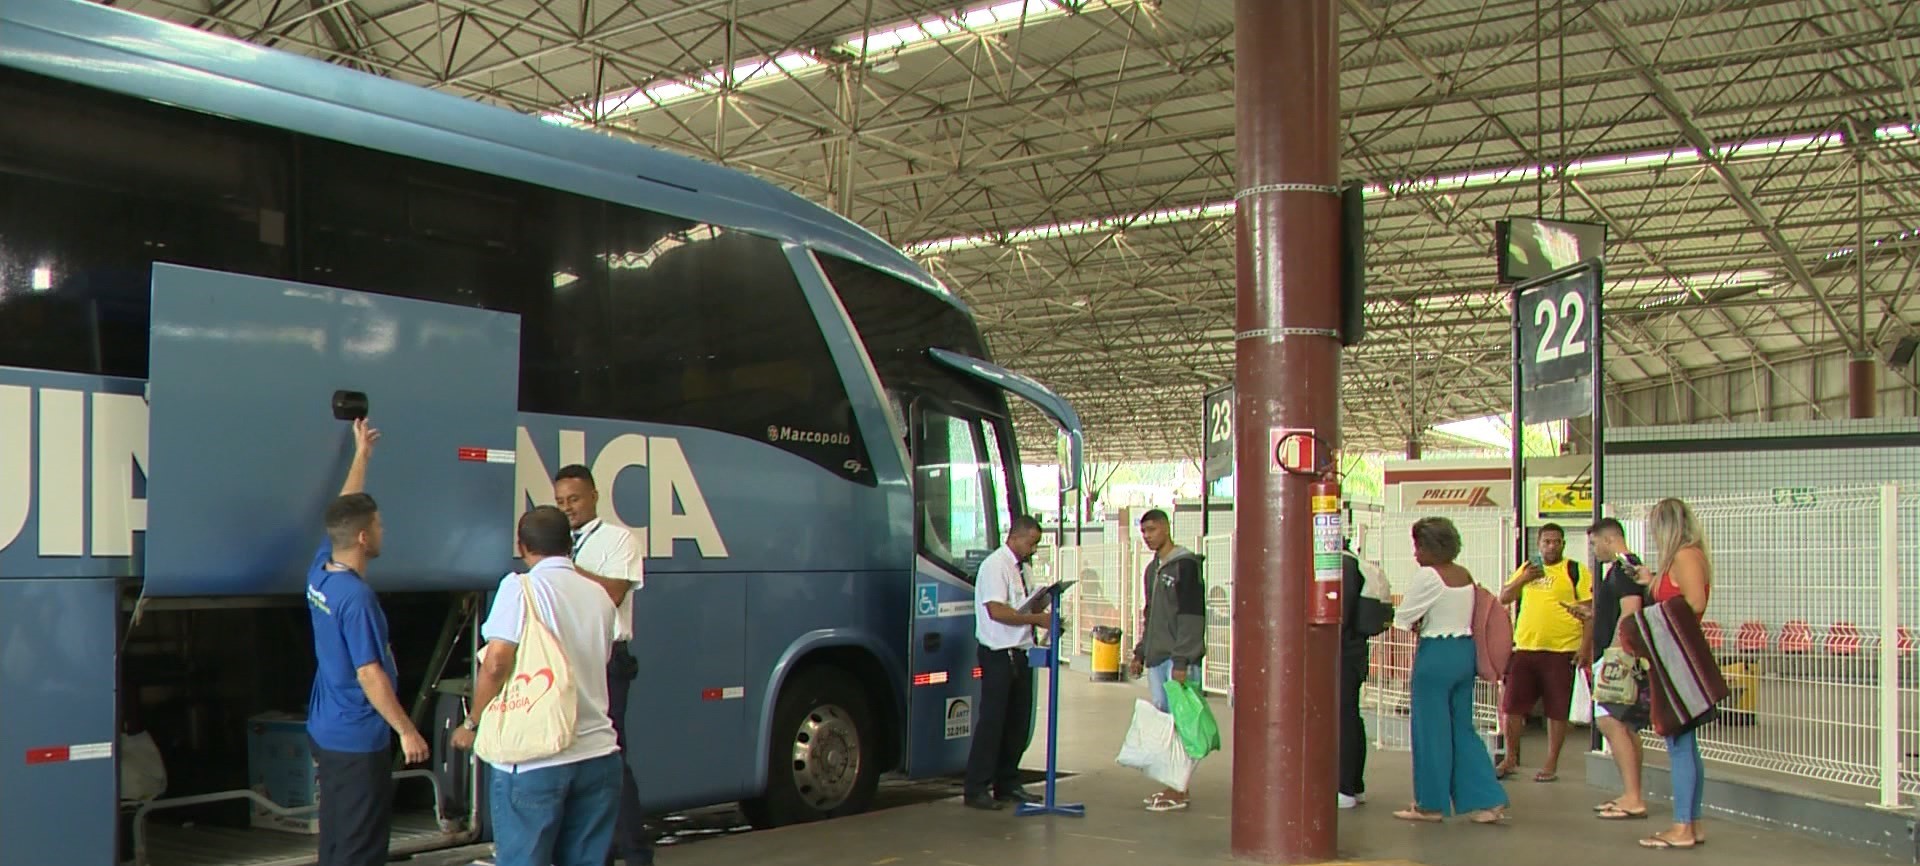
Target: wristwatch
470, 724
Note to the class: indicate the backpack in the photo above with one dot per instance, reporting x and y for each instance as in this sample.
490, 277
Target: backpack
1492, 635
533, 716
1373, 611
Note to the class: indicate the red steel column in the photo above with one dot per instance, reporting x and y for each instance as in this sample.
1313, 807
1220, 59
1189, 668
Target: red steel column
1863, 398
1287, 374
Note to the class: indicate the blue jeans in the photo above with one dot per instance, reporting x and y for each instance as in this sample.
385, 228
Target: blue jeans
558, 816
1157, 677
1452, 770
1689, 778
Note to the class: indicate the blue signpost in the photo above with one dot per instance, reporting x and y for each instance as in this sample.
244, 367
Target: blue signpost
1049, 657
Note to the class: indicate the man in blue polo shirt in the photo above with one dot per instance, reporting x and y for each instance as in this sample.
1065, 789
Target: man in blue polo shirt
354, 711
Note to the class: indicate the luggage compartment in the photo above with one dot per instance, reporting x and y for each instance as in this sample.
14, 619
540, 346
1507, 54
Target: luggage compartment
196, 672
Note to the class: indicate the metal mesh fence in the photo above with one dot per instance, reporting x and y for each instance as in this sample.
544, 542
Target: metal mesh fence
1815, 617
1803, 602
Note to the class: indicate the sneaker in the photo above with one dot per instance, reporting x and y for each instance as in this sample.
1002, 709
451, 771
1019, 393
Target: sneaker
1347, 802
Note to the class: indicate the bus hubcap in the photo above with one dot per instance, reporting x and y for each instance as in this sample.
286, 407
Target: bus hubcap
826, 757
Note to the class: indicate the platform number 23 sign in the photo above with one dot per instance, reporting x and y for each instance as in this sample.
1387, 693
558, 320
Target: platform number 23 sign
1219, 421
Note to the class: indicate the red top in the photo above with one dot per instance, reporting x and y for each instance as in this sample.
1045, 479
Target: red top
1666, 589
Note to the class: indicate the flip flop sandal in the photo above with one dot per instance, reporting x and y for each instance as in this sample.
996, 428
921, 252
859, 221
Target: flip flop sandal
1544, 776
1608, 805
1618, 814
1417, 816
1501, 775
1662, 842
1161, 804
1488, 816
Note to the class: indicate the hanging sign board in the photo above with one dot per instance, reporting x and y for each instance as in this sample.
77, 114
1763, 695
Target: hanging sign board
1217, 435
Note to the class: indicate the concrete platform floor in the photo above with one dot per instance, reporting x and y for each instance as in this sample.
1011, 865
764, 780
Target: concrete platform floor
1550, 821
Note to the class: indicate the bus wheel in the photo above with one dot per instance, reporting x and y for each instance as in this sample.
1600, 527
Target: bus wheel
822, 762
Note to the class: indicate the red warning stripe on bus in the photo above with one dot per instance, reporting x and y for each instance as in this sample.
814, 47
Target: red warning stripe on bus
486, 455
63, 754
48, 755
730, 693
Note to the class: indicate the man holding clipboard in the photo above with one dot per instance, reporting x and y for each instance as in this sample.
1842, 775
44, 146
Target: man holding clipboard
1005, 614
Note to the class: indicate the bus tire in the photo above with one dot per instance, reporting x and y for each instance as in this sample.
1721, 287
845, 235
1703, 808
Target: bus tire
823, 758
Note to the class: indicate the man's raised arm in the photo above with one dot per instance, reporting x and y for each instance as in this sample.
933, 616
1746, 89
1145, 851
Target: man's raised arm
363, 438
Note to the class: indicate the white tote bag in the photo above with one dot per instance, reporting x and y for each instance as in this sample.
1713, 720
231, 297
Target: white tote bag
1153, 748
533, 716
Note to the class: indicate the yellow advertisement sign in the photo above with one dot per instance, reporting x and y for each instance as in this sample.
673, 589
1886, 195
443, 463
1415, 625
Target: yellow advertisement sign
1558, 499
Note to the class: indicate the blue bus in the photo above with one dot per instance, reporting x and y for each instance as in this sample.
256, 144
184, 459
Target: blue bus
206, 246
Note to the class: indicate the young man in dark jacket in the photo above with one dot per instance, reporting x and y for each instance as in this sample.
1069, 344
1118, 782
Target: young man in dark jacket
1353, 674
1173, 631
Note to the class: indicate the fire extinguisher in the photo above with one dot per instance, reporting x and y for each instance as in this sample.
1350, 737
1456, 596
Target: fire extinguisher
1328, 541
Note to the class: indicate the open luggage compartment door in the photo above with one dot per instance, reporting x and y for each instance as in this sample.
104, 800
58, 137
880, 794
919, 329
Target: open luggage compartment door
245, 451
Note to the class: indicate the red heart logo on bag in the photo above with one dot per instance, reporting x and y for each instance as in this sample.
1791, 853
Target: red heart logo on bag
515, 698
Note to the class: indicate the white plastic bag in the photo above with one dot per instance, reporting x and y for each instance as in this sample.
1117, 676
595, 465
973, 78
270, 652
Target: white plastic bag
143, 775
533, 716
1153, 748
1581, 712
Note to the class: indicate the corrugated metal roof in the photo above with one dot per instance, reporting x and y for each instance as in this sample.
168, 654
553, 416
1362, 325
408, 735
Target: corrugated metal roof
1129, 108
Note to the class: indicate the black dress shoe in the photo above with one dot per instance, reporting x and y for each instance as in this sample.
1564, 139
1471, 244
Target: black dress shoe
982, 802
1020, 795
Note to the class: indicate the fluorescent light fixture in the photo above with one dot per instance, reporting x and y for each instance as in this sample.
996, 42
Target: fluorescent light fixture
42, 278
975, 21
1590, 167
667, 91
890, 39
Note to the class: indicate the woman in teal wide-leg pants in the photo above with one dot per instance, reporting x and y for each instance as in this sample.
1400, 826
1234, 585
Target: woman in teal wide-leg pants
1452, 772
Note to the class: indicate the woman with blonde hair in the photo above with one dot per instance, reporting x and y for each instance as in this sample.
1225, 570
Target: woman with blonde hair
1685, 571
1452, 771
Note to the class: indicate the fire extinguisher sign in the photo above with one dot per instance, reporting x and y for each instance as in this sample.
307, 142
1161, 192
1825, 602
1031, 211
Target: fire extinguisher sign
1326, 545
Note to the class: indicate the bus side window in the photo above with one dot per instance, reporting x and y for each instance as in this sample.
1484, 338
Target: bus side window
711, 329
95, 188
998, 459
951, 493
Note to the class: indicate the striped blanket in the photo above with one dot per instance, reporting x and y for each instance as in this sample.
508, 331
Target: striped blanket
1683, 678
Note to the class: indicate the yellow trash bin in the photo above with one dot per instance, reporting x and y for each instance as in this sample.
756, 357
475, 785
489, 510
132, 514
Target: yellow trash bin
1106, 653
1743, 692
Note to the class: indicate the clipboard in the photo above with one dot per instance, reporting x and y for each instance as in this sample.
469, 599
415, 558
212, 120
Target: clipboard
1045, 592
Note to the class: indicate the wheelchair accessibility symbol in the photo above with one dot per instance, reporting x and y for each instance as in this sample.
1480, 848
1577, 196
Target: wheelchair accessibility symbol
926, 602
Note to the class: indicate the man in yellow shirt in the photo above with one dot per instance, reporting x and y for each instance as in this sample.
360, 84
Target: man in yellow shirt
1546, 642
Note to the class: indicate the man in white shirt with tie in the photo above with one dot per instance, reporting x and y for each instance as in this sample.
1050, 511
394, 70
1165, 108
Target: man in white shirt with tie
1005, 633
610, 555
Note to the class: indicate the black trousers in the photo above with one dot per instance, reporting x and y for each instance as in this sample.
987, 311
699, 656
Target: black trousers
630, 838
1000, 722
1353, 731
356, 806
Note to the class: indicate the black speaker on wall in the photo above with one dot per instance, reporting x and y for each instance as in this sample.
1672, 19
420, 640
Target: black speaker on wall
1902, 353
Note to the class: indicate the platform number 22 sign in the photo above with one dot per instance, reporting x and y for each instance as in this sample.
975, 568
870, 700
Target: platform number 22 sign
1552, 342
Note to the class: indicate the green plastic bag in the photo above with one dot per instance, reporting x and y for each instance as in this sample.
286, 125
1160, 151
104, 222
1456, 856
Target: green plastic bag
1193, 719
